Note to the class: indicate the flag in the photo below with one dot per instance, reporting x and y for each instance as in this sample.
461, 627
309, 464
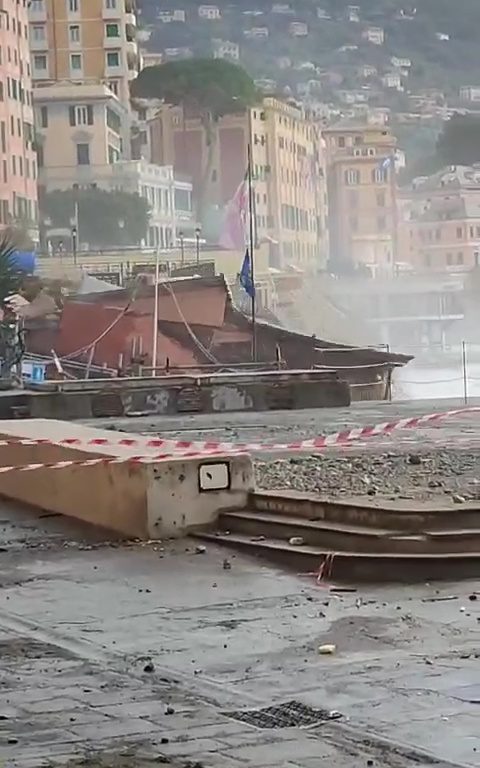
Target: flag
246, 280
234, 231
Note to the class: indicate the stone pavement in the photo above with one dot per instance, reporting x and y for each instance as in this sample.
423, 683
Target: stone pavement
137, 652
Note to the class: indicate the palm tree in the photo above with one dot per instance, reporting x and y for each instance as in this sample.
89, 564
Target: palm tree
10, 276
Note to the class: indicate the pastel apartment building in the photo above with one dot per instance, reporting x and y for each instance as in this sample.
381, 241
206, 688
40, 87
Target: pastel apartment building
18, 169
84, 41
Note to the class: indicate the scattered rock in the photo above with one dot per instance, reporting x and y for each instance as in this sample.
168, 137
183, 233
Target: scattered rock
472, 597
164, 740
296, 541
169, 710
149, 667
227, 566
415, 459
457, 499
200, 549
327, 650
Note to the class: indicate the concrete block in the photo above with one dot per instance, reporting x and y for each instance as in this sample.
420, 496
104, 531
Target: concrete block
147, 501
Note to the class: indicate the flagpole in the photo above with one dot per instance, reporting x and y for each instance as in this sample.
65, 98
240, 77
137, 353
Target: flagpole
251, 214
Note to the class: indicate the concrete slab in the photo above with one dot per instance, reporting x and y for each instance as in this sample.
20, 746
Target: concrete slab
143, 500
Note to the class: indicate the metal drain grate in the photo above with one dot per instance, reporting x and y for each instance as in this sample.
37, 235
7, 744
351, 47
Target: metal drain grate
291, 714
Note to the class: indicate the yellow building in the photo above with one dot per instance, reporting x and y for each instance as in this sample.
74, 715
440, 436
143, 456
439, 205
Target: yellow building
362, 197
288, 170
288, 160
84, 41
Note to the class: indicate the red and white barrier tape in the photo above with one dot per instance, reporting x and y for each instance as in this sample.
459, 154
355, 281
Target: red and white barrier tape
208, 446
103, 460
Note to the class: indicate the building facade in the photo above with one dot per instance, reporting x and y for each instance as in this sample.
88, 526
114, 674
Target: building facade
362, 198
18, 165
440, 221
84, 41
287, 165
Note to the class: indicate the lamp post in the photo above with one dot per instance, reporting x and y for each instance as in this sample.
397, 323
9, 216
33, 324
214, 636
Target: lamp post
182, 246
198, 232
74, 234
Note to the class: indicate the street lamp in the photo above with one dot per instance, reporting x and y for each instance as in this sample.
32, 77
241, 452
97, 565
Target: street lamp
182, 246
121, 226
198, 232
74, 233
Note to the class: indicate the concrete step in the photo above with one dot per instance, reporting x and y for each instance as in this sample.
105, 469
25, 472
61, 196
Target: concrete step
340, 537
402, 515
356, 566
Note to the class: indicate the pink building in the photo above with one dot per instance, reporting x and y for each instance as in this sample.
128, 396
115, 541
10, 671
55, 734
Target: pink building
18, 164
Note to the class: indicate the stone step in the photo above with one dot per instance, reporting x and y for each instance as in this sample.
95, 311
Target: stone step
401, 515
355, 566
340, 537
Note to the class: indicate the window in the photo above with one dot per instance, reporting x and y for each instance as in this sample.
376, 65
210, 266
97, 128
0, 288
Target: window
449, 258
76, 61
80, 115
472, 232
40, 62
1, 91
438, 234
113, 85
379, 175
38, 33
113, 59
341, 142
3, 137
352, 177
459, 233
354, 223
114, 122
73, 6
381, 199
110, 4
112, 30
36, 6
83, 154
14, 165
74, 33
381, 223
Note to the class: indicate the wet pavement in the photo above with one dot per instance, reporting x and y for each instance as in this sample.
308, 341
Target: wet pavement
140, 651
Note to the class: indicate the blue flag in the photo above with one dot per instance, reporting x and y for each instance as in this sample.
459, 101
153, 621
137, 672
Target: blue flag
246, 280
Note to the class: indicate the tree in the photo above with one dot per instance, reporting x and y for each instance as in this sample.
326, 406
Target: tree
10, 276
105, 219
208, 88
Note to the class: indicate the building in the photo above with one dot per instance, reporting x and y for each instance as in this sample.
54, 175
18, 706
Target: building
168, 17
83, 139
470, 93
18, 165
392, 80
225, 49
298, 29
374, 35
84, 41
288, 166
440, 221
209, 12
362, 197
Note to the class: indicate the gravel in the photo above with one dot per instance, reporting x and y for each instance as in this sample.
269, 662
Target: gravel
442, 473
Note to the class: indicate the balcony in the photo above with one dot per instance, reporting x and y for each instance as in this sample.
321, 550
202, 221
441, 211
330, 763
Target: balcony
131, 19
37, 13
39, 45
132, 48
130, 6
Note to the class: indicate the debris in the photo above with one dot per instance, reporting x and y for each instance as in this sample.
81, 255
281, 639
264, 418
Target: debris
169, 710
227, 566
296, 541
457, 499
257, 538
149, 667
327, 649
200, 549
334, 715
439, 599
164, 740
472, 597
339, 590
414, 459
